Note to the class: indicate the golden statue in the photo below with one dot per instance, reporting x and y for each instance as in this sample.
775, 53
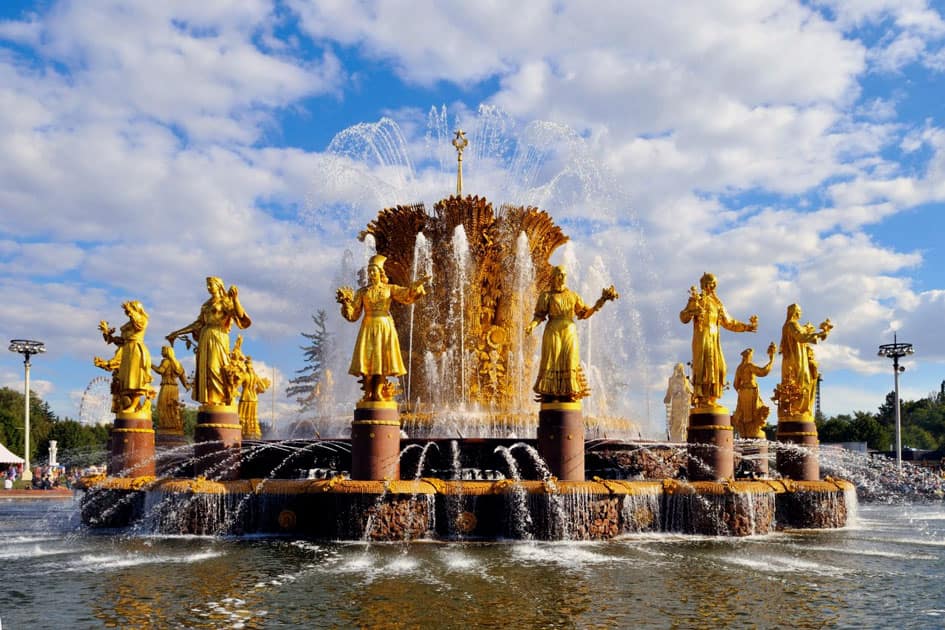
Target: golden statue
253, 385
560, 377
798, 387
751, 413
212, 386
171, 371
131, 364
678, 399
705, 310
377, 350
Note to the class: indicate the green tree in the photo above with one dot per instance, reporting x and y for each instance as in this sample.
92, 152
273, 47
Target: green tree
318, 355
11, 421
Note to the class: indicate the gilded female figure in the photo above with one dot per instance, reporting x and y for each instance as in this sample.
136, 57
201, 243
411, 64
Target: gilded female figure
560, 377
750, 412
211, 330
131, 364
377, 350
798, 386
708, 316
168, 405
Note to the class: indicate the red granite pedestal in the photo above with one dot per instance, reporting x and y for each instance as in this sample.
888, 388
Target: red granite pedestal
561, 439
375, 441
218, 440
131, 448
798, 458
710, 439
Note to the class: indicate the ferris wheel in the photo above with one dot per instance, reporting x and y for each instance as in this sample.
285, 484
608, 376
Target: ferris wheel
96, 404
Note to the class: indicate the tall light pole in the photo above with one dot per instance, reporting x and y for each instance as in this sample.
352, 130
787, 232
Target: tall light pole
896, 351
27, 348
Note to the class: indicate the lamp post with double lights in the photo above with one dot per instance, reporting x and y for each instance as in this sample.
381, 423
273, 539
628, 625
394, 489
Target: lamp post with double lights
27, 347
895, 351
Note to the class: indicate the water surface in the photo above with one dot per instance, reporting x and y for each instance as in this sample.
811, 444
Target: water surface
888, 569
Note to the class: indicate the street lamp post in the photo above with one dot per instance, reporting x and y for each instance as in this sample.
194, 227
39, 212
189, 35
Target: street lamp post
27, 348
896, 351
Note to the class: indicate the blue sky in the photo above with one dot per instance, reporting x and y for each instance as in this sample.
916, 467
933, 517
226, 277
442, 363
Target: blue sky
796, 149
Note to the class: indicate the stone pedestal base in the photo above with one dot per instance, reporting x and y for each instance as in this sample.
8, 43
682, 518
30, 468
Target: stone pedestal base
375, 442
131, 447
754, 458
218, 440
710, 439
797, 455
561, 439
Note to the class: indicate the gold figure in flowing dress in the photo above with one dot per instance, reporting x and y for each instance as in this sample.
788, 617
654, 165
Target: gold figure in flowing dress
253, 385
708, 316
377, 349
750, 412
131, 364
172, 372
798, 387
560, 377
211, 330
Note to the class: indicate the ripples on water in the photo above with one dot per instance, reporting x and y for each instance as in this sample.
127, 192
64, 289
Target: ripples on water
888, 569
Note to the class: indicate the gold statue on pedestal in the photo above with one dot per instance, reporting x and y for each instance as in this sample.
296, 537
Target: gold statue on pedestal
131, 364
750, 412
797, 390
705, 310
211, 330
171, 371
377, 350
678, 400
253, 385
560, 377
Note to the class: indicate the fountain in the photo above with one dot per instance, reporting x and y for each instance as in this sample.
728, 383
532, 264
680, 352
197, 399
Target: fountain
455, 447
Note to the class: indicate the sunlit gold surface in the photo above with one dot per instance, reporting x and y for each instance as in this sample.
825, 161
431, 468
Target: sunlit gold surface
494, 312
215, 382
750, 412
252, 385
377, 353
708, 316
169, 404
798, 387
131, 364
560, 376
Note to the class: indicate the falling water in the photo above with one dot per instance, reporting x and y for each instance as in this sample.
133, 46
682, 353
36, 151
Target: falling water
524, 278
422, 267
461, 260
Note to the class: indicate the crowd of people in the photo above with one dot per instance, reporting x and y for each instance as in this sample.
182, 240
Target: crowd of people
45, 477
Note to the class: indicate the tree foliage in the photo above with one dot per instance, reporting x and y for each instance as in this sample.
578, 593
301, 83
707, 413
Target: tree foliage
922, 424
78, 444
318, 355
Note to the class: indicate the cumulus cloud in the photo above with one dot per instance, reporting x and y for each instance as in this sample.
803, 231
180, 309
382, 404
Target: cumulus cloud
732, 137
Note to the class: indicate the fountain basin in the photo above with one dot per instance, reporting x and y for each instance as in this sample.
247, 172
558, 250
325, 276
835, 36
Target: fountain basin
431, 508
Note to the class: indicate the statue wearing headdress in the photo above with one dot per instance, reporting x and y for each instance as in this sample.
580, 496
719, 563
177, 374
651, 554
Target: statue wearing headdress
377, 349
797, 390
171, 371
750, 412
560, 377
708, 316
213, 384
253, 385
131, 364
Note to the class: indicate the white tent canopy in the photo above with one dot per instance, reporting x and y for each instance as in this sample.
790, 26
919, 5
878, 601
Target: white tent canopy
6, 457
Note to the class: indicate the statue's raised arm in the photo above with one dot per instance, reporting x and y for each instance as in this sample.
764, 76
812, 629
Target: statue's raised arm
708, 316
560, 376
211, 330
376, 354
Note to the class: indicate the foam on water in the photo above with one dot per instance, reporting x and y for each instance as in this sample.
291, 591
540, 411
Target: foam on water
94, 563
782, 564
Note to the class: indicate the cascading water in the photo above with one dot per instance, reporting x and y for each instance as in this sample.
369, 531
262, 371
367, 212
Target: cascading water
461, 267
